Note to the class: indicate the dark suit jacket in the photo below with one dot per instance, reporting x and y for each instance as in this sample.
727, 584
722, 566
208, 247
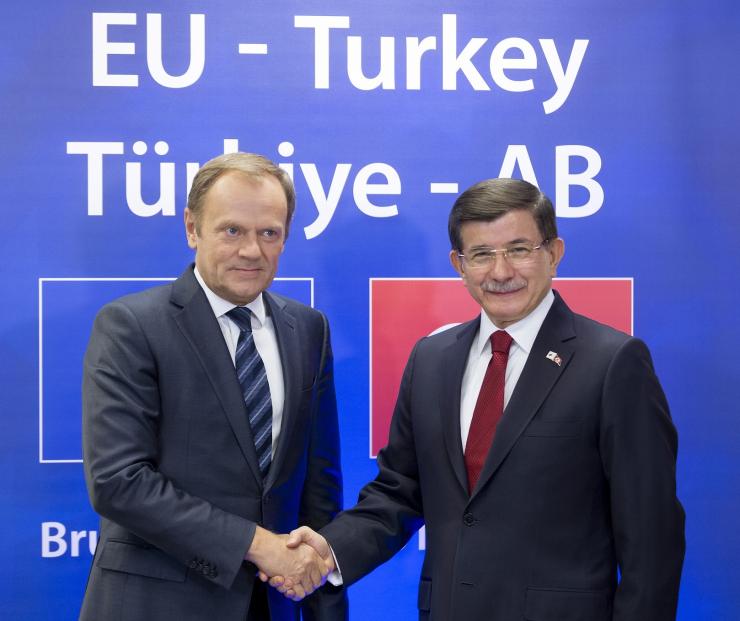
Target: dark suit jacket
170, 462
580, 481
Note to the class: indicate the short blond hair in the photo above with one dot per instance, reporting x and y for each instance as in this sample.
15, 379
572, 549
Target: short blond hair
249, 164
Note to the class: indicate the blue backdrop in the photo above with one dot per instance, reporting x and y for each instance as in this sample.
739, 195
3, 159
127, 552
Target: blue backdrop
624, 112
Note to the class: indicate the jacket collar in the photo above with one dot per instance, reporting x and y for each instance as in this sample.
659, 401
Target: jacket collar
539, 376
196, 319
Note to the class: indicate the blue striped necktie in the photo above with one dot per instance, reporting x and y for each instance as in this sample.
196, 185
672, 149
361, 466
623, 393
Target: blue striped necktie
252, 376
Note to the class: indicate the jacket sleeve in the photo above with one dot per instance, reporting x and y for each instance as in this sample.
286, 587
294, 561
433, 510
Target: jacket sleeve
639, 447
389, 508
121, 418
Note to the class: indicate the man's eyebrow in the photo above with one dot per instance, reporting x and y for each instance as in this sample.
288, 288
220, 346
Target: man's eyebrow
481, 247
518, 240
227, 224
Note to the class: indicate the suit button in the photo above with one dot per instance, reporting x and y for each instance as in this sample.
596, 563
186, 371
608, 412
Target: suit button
468, 519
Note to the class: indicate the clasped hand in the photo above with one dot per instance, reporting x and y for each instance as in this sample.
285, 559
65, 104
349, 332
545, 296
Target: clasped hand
296, 564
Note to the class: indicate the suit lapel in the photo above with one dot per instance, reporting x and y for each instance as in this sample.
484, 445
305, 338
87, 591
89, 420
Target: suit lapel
200, 327
452, 368
289, 348
536, 381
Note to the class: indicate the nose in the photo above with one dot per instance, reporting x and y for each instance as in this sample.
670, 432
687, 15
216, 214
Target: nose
500, 268
250, 248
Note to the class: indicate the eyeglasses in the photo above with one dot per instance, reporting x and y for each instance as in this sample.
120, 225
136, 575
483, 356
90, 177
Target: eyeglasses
518, 254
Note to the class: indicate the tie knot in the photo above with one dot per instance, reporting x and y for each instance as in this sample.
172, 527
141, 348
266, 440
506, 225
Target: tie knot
501, 341
242, 317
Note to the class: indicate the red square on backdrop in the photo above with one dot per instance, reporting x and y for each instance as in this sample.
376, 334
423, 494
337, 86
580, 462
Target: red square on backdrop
404, 310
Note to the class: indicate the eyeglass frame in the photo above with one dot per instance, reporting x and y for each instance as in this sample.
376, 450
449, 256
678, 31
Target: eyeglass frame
493, 252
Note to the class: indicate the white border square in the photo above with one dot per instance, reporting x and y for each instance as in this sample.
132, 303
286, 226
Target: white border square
41, 282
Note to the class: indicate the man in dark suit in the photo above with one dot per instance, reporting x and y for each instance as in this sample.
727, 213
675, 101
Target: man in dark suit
210, 422
544, 472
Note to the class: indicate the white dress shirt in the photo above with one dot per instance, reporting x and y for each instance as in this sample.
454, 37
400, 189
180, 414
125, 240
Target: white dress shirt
265, 340
523, 333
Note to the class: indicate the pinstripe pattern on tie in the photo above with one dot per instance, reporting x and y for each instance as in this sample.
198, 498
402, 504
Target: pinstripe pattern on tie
250, 371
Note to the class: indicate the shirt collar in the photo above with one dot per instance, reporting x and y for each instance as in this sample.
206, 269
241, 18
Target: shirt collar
220, 306
524, 331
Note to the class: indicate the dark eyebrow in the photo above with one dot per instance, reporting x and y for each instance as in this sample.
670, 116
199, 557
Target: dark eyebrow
519, 240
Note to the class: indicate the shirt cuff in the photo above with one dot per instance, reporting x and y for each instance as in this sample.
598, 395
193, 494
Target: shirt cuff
335, 577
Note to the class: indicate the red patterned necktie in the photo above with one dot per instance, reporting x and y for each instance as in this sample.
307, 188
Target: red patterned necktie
488, 409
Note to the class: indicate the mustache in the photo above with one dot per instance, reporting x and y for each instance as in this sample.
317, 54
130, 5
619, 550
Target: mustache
494, 286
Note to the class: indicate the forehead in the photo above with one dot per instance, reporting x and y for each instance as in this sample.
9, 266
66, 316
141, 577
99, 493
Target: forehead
515, 226
236, 193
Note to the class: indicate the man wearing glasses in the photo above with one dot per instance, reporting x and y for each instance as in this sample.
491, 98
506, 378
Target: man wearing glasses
534, 443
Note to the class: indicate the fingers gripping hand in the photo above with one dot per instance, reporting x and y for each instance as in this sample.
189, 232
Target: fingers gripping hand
303, 539
296, 571
306, 572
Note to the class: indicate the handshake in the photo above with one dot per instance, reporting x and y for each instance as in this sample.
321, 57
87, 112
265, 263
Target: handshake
295, 564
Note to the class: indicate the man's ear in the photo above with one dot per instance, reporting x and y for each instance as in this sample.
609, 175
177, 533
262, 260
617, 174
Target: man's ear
457, 262
190, 229
556, 249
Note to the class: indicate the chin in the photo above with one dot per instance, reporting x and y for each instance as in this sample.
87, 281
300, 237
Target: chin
248, 296
504, 310
238, 296
503, 315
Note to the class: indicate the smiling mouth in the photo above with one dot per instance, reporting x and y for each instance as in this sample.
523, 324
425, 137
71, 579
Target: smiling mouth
256, 268
247, 272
